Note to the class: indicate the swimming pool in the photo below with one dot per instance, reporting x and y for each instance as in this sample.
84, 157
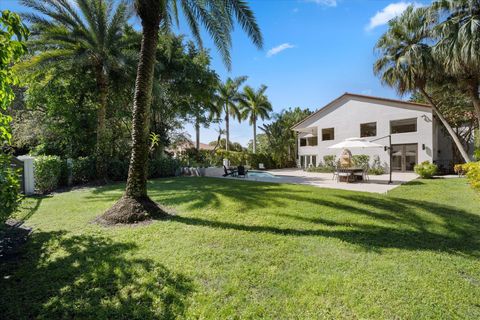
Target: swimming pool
260, 174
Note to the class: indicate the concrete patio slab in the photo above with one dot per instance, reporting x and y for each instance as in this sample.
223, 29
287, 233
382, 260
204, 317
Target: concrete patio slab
376, 184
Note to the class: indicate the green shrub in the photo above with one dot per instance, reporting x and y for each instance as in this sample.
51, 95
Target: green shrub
376, 168
9, 188
48, 170
83, 170
118, 169
329, 161
476, 154
163, 167
472, 171
426, 170
361, 160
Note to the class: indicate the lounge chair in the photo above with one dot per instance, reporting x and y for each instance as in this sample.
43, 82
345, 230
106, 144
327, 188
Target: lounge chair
241, 171
228, 172
363, 174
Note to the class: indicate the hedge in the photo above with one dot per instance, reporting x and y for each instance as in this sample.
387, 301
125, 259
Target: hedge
9, 188
48, 171
426, 170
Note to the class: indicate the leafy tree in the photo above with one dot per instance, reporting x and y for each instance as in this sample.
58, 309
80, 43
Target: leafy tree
227, 99
262, 144
457, 46
218, 19
406, 62
222, 145
254, 104
90, 36
281, 139
12, 36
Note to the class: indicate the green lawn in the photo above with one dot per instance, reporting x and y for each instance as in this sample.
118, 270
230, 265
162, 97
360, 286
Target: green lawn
240, 249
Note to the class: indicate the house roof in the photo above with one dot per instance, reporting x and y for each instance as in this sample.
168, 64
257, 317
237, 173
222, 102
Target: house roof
354, 95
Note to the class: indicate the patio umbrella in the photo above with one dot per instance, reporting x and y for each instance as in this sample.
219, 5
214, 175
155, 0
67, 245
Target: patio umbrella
355, 143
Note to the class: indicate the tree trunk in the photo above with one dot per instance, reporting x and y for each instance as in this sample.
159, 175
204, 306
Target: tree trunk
254, 135
452, 133
227, 128
474, 95
102, 143
137, 172
197, 134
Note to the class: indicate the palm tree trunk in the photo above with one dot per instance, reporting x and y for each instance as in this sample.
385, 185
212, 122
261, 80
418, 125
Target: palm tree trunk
254, 135
137, 172
102, 143
197, 134
474, 94
227, 129
457, 141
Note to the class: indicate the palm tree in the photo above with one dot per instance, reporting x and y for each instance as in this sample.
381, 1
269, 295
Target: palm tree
406, 61
218, 19
458, 46
90, 36
255, 104
227, 102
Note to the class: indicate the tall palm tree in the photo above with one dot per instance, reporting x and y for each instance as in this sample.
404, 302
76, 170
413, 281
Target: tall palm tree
227, 102
218, 19
458, 46
81, 32
406, 62
255, 104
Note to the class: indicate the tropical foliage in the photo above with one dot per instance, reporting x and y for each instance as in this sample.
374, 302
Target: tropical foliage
254, 105
12, 36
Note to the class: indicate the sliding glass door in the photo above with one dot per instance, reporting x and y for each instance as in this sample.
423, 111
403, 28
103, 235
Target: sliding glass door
404, 157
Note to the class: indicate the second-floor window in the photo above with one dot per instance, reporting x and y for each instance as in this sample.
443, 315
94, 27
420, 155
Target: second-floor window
310, 141
368, 129
403, 126
328, 134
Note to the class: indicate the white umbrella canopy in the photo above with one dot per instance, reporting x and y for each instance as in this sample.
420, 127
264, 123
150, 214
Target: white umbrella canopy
351, 143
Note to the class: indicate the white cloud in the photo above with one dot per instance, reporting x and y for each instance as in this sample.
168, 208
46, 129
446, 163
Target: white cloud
278, 49
388, 13
328, 3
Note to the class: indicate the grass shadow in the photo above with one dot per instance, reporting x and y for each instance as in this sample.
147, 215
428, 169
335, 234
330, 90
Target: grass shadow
88, 277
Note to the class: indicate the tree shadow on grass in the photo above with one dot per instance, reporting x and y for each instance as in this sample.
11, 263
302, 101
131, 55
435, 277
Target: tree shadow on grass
200, 193
88, 277
385, 223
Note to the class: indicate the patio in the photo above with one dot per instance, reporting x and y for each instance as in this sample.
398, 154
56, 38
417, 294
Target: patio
376, 184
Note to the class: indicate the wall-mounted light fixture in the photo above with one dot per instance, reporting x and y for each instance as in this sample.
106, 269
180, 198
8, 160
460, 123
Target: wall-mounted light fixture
423, 146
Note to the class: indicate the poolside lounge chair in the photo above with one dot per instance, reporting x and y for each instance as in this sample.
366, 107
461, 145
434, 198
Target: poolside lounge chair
241, 171
228, 172
261, 166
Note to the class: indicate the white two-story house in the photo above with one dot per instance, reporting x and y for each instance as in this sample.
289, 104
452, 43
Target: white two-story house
415, 134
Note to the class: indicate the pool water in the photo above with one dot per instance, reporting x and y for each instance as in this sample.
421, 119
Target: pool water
260, 174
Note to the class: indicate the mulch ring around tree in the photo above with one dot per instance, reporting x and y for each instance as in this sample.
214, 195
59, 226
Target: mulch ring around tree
13, 235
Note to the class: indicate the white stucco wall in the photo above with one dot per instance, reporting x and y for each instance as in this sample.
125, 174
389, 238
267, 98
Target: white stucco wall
348, 113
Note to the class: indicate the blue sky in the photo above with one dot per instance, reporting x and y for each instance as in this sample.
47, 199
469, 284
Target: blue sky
314, 51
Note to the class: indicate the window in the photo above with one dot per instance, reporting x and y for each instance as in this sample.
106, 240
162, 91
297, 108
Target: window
368, 129
312, 141
402, 126
328, 134
303, 142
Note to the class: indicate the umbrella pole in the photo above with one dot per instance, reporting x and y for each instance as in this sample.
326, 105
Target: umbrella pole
389, 155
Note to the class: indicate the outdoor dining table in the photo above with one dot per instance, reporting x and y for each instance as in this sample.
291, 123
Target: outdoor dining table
352, 170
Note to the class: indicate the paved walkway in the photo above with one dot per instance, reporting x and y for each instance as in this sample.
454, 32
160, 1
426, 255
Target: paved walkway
376, 184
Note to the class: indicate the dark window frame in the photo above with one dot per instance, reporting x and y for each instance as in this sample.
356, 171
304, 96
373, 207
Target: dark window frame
368, 123
332, 132
404, 120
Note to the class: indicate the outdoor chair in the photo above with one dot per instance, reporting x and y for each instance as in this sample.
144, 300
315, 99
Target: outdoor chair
363, 174
227, 173
344, 173
335, 173
241, 172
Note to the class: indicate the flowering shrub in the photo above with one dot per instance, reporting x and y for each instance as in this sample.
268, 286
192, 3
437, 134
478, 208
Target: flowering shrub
426, 170
472, 171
